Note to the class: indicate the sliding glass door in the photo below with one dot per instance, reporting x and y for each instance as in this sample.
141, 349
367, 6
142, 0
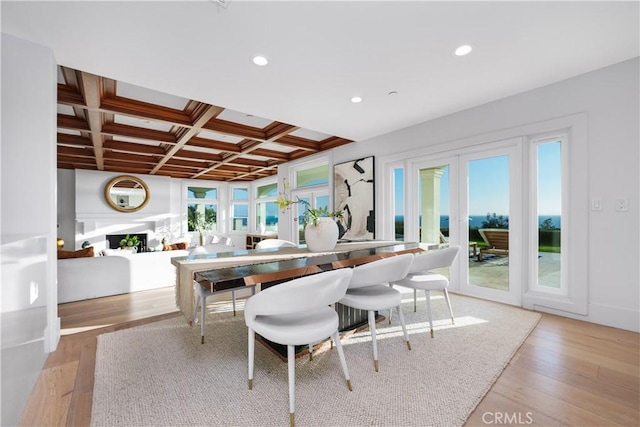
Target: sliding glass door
471, 199
490, 223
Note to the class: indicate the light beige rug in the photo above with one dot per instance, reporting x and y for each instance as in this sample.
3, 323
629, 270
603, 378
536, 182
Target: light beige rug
160, 375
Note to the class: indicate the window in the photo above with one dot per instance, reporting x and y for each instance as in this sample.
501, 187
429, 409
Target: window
240, 208
202, 209
266, 207
398, 203
313, 176
548, 212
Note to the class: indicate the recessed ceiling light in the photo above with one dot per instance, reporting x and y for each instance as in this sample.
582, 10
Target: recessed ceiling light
260, 60
393, 93
356, 99
463, 50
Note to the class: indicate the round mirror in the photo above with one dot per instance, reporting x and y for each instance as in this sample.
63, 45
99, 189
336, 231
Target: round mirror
127, 193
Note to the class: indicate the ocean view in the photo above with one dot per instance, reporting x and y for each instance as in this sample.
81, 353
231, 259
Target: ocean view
475, 221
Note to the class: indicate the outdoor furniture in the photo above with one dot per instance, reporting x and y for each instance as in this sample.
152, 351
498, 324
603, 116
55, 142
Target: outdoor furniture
497, 240
444, 242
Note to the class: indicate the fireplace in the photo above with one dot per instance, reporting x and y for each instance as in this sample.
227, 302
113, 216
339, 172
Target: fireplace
113, 240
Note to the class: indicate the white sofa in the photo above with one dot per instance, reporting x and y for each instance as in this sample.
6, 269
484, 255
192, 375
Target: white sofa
93, 277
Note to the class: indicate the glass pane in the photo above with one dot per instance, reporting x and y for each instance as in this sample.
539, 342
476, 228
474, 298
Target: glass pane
202, 217
300, 208
488, 182
549, 213
398, 205
202, 193
318, 175
270, 190
322, 202
240, 194
267, 215
240, 217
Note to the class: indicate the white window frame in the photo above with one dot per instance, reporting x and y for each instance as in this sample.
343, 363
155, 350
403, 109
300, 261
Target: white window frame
532, 284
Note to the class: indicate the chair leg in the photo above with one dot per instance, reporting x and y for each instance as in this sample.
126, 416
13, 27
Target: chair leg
251, 351
310, 351
343, 361
203, 309
372, 328
446, 297
429, 311
195, 308
404, 326
291, 362
233, 301
415, 293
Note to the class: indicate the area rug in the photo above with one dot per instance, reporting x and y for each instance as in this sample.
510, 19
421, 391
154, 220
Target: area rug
160, 375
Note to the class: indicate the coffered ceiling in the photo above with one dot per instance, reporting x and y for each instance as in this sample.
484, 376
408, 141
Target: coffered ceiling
179, 94
113, 126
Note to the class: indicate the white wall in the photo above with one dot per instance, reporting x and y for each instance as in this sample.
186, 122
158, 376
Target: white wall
28, 215
609, 98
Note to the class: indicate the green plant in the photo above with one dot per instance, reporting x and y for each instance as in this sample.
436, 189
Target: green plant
495, 221
129, 241
310, 215
201, 223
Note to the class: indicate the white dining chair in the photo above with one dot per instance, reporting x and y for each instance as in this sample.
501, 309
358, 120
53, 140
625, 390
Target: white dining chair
297, 312
201, 295
275, 243
369, 290
420, 277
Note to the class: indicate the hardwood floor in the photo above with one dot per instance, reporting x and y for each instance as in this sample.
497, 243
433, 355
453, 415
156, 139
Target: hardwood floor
566, 373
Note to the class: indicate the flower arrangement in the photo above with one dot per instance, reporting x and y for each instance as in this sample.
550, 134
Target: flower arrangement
311, 215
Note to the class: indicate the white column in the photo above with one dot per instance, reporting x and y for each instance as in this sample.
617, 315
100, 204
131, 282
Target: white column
430, 207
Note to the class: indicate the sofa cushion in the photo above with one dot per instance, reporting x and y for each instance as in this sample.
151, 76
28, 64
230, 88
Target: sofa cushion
175, 246
80, 253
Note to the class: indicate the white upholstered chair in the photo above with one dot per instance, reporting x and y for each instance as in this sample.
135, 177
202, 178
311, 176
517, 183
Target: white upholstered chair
202, 294
421, 277
369, 290
275, 243
294, 313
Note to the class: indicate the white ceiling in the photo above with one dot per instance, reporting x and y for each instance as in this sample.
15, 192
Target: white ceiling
323, 53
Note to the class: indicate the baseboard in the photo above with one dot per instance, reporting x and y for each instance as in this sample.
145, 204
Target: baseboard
616, 317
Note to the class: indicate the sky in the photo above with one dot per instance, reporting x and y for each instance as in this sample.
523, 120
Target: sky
489, 184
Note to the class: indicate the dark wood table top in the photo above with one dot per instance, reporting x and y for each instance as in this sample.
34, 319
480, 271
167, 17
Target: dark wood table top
225, 278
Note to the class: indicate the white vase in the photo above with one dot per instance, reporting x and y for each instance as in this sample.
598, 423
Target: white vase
322, 237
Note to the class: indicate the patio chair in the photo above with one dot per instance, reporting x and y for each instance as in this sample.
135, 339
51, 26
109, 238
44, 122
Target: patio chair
497, 240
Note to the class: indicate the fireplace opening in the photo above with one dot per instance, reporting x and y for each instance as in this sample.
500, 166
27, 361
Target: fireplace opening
114, 240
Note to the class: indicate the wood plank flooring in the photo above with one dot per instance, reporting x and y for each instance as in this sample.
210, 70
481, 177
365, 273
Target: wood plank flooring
567, 373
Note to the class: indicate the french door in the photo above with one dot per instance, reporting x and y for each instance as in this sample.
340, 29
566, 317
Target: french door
472, 199
316, 200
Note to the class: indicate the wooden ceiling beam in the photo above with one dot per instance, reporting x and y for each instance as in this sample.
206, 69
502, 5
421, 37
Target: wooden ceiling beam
90, 87
214, 145
116, 129
129, 157
235, 129
72, 123
73, 151
65, 138
277, 130
189, 154
333, 142
133, 148
187, 163
204, 113
299, 143
271, 153
144, 110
